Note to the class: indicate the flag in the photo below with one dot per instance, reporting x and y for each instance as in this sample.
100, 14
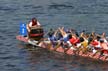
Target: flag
23, 29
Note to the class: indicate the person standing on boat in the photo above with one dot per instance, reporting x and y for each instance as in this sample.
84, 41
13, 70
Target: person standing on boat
33, 23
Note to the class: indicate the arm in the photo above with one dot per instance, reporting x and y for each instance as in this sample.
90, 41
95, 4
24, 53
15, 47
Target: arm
55, 32
62, 32
28, 28
38, 23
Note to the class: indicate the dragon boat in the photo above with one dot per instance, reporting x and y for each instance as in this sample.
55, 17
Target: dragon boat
60, 49
36, 38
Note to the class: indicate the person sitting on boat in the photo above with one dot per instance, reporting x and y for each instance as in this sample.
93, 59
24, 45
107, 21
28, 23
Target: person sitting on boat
104, 47
51, 41
74, 40
64, 34
103, 36
59, 36
50, 34
83, 46
96, 45
96, 42
52, 37
33, 23
65, 43
103, 44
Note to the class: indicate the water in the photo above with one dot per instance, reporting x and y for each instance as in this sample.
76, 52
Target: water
89, 15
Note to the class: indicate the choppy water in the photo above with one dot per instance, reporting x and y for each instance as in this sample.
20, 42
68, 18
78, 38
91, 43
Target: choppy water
91, 15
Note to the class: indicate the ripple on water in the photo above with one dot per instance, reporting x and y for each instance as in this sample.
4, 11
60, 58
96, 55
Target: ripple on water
9, 57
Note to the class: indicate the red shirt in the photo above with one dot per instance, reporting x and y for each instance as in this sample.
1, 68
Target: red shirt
94, 43
74, 40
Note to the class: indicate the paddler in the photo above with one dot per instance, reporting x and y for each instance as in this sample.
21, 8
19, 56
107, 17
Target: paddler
33, 23
65, 39
83, 45
104, 47
52, 37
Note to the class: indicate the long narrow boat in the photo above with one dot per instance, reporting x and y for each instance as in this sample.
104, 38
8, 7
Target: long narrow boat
70, 51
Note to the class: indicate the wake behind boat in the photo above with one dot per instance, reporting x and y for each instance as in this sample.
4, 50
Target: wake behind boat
92, 45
